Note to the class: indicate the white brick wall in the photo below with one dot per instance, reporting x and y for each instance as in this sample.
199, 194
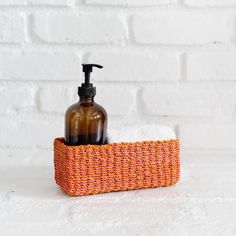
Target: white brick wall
136, 66
12, 28
165, 61
38, 65
222, 136
182, 28
210, 2
85, 28
211, 66
15, 98
131, 3
33, 2
187, 100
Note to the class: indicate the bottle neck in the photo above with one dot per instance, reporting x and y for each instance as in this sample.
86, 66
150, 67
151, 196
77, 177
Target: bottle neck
86, 101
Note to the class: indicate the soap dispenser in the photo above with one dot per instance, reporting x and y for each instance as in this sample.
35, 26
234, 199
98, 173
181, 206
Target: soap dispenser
86, 121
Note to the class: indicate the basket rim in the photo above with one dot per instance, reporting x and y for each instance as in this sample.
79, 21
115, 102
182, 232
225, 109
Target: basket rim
61, 141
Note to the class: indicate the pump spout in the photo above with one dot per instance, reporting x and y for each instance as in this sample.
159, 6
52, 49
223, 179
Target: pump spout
87, 69
87, 88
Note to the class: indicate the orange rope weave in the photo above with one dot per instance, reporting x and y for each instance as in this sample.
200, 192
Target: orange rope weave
90, 169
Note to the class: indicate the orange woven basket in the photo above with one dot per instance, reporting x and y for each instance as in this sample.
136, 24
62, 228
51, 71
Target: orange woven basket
91, 169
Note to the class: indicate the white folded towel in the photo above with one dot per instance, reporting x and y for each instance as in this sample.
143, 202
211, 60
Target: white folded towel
141, 133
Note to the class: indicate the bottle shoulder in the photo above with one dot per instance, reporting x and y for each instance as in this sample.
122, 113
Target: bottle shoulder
78, 109
100, 108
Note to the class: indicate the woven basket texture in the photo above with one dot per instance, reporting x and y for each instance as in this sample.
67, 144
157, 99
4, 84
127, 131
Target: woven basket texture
91, 169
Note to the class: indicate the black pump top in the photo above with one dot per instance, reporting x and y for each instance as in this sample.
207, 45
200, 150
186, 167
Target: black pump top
87, 89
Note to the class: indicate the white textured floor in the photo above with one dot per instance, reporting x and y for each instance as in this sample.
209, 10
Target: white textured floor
202, 203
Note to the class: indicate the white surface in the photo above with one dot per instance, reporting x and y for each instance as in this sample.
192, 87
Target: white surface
141, 133
202, 203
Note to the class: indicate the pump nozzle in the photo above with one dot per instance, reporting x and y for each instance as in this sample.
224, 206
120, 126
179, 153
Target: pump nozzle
89, 67
87, 89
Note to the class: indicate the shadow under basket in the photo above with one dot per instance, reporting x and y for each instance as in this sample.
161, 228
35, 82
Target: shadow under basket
91, 169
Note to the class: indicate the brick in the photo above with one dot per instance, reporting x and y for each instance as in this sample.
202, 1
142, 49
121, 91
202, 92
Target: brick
131, 3
13, 2
117, 100
48, 2
29, 133
12, 28
188, 100
207, 66
218, 136
16, 98
33, 2
210, 2
182, 28
131, 66
84, 28
57, 98
39, 66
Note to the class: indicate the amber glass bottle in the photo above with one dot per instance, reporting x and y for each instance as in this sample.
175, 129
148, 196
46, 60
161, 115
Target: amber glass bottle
86, 121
